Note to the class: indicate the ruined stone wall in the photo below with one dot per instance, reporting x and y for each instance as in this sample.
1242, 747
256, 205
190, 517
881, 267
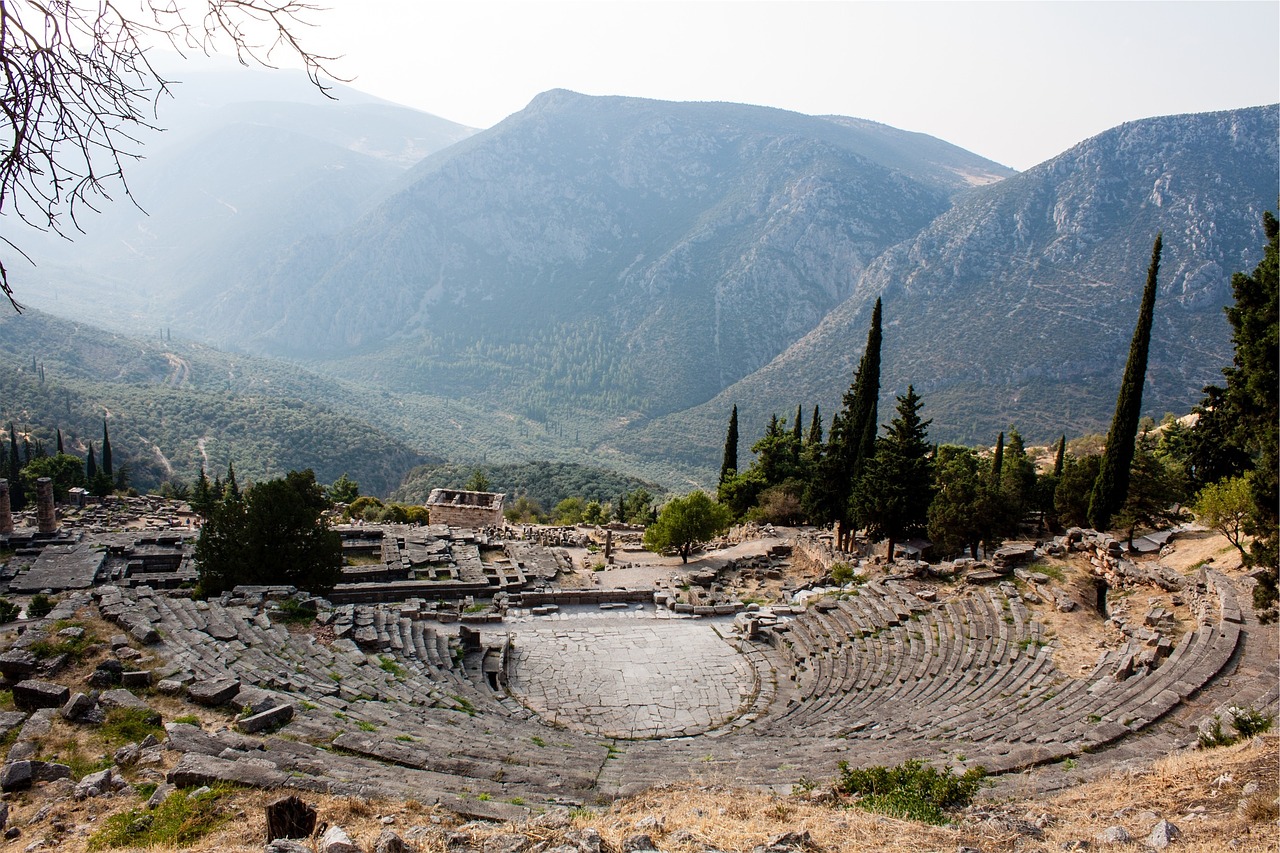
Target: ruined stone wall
466, 516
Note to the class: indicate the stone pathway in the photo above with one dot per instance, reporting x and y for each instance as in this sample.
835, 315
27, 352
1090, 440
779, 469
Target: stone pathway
630, 679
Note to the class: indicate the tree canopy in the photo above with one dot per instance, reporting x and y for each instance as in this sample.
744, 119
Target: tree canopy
686, 521
273, 533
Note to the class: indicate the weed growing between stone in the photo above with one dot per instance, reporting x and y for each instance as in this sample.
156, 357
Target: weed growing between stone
912, 789
1246, 721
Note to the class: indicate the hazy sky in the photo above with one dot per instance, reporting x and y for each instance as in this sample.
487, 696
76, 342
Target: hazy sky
1018, 82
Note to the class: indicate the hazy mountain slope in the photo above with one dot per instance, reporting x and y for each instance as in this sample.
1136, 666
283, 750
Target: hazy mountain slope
249, 162
172, 406
644, 252
1016, 306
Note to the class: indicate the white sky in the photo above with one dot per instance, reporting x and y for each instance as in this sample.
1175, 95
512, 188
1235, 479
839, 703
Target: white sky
1018, 82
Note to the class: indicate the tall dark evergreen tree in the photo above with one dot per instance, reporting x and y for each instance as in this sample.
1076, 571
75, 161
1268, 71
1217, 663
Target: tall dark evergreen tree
1238, 432
1112, 485
1060, 459
815, 430
90, 465
17, 495
997, 462
203, 499
106, 451
231, 489
891, 499
864, 416
60, 450
850, 442
729, 463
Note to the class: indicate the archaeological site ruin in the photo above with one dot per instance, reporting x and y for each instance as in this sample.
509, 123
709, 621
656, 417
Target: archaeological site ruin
497, 670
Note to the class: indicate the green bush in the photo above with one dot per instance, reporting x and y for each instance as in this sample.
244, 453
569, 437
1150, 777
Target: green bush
41, 606
842, 573
912, 790
1246, 721
8, 610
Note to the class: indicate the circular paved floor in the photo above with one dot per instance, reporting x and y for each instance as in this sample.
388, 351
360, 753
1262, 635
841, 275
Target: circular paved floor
630, 678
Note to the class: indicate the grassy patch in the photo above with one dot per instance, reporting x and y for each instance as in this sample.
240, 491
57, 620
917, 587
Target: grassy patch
1050, 569
388, 664
130, 725
73, 647
180, 820
293, 613
911, 790
188, 719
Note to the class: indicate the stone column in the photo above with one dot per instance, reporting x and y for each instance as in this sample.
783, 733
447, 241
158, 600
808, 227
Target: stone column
6, 512
46, 516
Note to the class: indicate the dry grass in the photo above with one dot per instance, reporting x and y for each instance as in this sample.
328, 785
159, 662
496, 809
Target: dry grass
1200, 791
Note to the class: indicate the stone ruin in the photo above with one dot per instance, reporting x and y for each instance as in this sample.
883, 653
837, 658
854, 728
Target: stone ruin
449, 659
459, 508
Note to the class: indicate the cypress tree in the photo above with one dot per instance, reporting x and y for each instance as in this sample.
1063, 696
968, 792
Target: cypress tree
891, 499
866, 400
729, 463
850, 442
815, 430
90, 465
231, 489
1112, 486
17, 495
797, 430
997, 463
106, 450
59, 431
1060, 459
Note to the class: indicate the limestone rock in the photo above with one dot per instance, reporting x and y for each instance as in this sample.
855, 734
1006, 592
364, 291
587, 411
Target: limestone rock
32, 694
390, 842
336, 840
1114, 835
215, 692
1162, 835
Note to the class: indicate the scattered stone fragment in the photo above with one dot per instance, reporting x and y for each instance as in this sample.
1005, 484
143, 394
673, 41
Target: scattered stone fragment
32, 694
389, 842
285, 845
1114, 835
1162, 835
161, 793
269, 719
18, 663
638, 842
214, 692
336, 840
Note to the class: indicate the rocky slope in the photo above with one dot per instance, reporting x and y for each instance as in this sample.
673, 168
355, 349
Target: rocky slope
698, 240
1017, 304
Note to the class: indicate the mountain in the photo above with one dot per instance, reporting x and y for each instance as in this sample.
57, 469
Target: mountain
618, 253
173, 406
248, 162
1017, 304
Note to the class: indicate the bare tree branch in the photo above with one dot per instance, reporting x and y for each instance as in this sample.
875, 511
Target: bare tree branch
79, 89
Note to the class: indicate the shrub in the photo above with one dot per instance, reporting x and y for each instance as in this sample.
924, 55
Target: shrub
180, 820
8, 610
41, 605
912, 790
842, 573
1246, 721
